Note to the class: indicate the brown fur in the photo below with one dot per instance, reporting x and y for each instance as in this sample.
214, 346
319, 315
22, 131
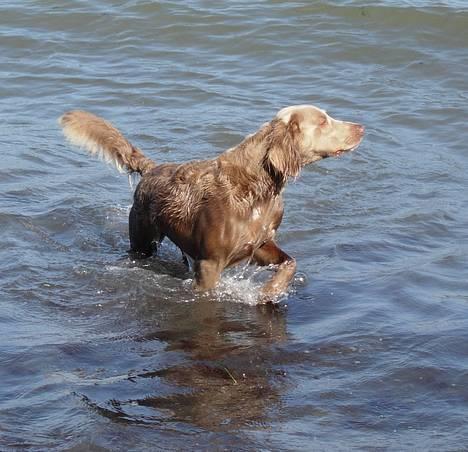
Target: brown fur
227, 209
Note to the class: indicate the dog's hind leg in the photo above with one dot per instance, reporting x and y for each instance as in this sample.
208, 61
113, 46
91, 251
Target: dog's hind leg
143, 233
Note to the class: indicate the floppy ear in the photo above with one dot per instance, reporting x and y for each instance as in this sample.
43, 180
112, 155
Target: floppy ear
282, 148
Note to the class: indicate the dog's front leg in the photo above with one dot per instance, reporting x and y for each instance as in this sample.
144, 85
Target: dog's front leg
268, 254
207, 273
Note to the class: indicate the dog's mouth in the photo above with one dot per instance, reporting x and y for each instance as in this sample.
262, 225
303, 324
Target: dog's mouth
354, 146
353, 140
339, 152
342, 151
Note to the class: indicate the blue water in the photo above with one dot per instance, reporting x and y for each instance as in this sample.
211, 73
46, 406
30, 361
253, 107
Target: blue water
368, 351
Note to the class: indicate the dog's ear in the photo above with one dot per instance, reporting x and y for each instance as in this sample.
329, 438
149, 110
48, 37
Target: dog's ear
282, 148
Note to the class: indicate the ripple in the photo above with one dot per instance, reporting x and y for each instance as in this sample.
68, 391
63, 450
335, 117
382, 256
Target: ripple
368, 347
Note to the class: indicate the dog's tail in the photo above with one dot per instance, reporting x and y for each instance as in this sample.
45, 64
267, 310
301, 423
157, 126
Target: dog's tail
102, 139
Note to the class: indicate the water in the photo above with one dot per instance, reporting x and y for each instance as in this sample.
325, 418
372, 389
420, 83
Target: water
370, 349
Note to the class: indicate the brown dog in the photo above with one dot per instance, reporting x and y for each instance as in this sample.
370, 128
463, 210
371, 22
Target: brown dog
225, 210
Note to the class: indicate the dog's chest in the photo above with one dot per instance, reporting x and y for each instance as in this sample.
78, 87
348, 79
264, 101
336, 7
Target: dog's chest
263, 221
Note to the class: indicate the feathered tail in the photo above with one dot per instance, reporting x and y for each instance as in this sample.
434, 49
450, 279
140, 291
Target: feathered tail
102, 139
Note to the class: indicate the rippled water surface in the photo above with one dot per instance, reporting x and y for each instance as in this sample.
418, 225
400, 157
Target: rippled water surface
370, 349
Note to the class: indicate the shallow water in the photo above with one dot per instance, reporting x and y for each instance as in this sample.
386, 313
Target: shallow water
370, 349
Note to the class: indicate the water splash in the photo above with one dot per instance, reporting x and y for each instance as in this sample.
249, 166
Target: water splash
242, 284
238, 285
167, 274
133, 179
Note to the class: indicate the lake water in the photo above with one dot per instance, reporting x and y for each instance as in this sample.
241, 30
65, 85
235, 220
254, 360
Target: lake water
370, 349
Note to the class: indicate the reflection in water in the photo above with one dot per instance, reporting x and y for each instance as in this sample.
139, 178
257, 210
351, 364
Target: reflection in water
229, 380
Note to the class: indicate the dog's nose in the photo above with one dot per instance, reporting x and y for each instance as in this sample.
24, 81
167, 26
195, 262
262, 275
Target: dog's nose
360, 129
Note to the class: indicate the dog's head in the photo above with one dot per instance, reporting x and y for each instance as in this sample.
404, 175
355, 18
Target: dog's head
303, 134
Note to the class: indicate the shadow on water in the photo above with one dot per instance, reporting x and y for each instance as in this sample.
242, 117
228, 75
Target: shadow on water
219, 373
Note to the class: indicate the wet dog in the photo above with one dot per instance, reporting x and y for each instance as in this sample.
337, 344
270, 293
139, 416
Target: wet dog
224, 210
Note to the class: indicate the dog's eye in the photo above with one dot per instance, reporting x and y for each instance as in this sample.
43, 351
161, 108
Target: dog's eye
322, 120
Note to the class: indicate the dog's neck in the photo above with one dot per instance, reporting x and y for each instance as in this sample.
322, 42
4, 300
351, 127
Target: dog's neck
249, 157
250, 152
